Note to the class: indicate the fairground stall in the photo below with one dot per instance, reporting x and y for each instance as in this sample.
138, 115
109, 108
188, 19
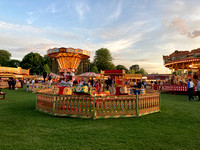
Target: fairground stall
183, 65
8, 73
156, 81
85, 101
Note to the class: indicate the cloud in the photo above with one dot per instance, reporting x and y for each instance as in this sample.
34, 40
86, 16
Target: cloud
82, 8
124, 30
114, 16
180, 25
21, 38
29, 21
30, 13
51, 8
123, 43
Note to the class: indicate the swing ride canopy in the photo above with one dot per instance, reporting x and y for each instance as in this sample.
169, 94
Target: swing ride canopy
68, 58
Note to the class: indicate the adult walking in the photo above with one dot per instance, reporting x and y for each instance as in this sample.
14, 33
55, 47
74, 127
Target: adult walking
190, 87
13, 84
198, 89
9, 84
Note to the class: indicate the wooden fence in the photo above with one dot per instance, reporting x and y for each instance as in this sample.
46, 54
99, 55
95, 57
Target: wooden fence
98, 107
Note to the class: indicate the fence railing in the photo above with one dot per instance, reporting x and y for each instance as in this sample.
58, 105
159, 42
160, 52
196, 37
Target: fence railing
98, 107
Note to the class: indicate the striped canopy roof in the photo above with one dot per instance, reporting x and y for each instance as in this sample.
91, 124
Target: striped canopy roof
89, 74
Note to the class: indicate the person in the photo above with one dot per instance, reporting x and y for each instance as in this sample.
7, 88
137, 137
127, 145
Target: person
27, 85
161, 85
9, 84
198, 89
98, 86
13, 84
81, 82
75, 82
92, 82
155, 85
145, 84
139, 84
190, 87
49, 80
134, 84
32, 82
22, 83
68, 83
108, 83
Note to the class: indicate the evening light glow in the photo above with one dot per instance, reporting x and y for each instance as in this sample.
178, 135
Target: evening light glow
135, 31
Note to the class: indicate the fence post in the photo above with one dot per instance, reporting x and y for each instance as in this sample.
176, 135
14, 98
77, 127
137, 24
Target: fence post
36, 100
53, 103
159, 102
137, 110
94, 109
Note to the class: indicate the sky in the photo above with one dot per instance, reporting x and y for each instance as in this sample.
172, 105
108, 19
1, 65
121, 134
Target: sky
135, 31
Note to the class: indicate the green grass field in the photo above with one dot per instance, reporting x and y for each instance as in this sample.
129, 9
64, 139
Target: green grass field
21, 127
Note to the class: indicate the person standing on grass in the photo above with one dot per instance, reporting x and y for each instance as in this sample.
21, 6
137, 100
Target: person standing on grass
13, 83
27, 85
9, 84
198, 89
190, 87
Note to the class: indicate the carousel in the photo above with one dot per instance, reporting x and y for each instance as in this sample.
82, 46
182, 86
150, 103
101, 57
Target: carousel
185, 65
84, 100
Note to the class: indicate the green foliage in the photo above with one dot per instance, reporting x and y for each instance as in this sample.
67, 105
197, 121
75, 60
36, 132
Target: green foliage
34, 62
103, 59
174, 73
46, 68
122, 67
4, 57
135, 67
142, 72
47, 60
131, 72
175, 127
94, 69
13, 63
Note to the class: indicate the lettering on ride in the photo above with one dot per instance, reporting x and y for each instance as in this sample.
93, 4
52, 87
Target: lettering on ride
62, 49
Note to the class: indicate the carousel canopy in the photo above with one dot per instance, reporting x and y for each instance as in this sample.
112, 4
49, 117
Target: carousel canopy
89, 74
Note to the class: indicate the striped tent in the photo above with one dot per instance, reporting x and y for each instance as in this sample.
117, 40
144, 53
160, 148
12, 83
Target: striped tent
89, 74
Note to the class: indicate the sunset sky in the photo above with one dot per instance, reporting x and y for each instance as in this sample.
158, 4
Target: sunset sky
135, 31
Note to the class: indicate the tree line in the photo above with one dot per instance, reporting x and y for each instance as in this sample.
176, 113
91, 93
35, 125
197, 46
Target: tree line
39, 64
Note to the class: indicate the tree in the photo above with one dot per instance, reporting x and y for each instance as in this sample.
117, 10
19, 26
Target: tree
94, 69
121, 67
13, 63
135, 67
103, 59
4, 57
174, 73
46, 68
48, 60
34, 62
131, 71
142, 72
84, 66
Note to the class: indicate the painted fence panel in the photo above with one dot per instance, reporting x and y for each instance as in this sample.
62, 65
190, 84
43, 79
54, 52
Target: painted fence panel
98, 107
